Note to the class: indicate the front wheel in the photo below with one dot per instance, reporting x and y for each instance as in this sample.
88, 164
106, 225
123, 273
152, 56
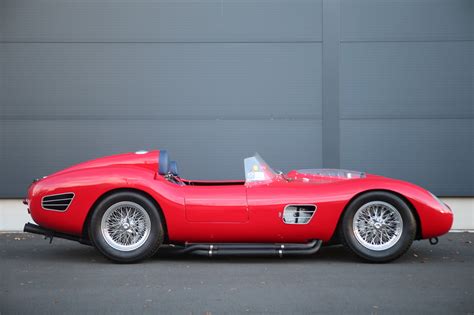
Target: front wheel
126, 227
378, 227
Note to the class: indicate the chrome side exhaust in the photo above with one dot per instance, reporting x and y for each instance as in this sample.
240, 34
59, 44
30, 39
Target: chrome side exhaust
241, 249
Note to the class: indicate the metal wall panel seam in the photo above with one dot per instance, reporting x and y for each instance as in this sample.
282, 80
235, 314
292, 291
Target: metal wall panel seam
330, 82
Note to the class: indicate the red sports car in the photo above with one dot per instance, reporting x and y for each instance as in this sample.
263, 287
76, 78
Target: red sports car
129, 205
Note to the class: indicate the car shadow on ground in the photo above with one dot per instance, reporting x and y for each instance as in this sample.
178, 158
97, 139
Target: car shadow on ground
326, 255
33, 248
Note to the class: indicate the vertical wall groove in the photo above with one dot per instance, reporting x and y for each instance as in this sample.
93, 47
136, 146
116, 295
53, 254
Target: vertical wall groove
330, 82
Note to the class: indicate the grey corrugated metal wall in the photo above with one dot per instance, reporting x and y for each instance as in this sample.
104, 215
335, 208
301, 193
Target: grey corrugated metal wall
380, 86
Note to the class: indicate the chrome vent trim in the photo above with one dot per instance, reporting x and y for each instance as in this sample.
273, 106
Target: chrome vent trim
298, 213
58, 202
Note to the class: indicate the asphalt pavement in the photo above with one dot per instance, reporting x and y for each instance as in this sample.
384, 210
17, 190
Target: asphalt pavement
39, 278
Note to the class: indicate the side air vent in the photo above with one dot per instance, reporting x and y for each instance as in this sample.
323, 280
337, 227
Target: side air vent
298, 214
57, 202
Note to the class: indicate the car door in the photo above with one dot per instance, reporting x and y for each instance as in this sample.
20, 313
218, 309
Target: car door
216, 203
284, 210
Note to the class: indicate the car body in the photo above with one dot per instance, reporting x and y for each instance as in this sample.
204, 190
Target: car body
261, 209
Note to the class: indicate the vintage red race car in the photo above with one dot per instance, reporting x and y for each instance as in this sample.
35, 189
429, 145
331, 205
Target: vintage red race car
129, 205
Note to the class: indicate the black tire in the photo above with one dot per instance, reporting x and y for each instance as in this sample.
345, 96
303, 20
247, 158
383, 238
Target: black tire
151, 243
398, 248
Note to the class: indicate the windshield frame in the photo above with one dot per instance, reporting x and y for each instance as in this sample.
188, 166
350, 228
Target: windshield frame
257, 170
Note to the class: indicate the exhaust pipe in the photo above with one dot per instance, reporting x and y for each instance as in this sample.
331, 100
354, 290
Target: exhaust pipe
252, 249
36, 229
434, 240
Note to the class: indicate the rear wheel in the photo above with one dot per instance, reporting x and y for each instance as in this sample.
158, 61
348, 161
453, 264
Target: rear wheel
126, 227
378, 227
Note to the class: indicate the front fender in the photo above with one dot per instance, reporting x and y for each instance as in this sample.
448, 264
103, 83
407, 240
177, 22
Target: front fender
435, 219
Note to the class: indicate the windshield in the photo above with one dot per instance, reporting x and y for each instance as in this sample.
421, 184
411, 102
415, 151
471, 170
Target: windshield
256, 169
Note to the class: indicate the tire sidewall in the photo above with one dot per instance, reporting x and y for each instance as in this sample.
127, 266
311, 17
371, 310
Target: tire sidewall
408, 233
146, 249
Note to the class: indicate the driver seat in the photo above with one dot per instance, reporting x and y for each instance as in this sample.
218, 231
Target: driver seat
165, 166
163, 162
173, 168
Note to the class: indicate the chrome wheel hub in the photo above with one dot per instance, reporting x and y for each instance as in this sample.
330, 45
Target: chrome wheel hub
125, 226
377, 225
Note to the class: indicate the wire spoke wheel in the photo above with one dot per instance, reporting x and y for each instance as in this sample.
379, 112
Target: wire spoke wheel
125, 226
377, 225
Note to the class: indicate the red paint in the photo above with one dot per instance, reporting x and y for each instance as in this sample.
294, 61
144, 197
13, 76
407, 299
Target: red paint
216, 203
230, 213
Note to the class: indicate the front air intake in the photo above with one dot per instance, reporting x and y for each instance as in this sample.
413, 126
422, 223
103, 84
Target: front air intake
298, 214
58, 202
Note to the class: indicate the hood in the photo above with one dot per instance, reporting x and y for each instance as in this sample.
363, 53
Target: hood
324, 175
140, 158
